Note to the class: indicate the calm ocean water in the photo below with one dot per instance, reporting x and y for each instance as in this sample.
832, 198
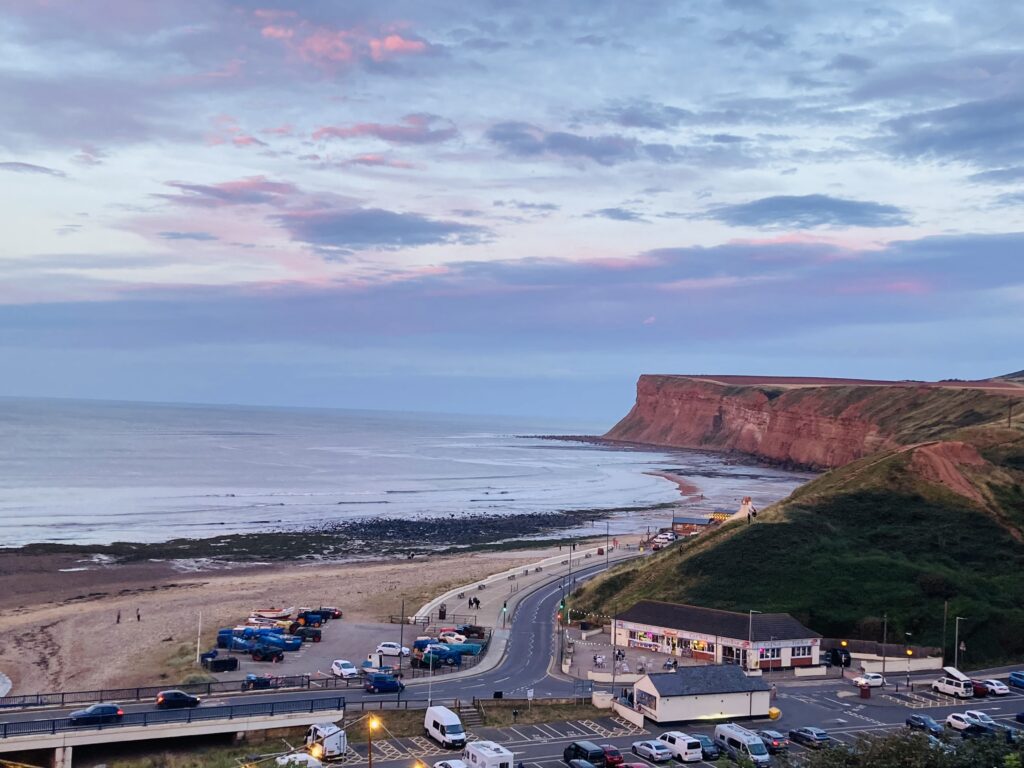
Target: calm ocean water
95, 472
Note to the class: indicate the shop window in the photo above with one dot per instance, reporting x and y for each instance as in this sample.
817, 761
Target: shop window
767, 654
801, 652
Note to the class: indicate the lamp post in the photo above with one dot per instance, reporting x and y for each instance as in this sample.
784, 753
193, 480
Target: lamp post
430, 681
607, 538
371, 725
885, 635
956, 642
750, 636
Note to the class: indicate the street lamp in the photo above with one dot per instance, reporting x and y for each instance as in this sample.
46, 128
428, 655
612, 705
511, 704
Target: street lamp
956, 642
909, 653
750, 636
372, 724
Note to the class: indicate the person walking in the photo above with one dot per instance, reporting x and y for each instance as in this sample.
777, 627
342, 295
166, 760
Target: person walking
118, 620
138, 615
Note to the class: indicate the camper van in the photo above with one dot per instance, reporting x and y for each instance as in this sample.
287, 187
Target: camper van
487, 754
683, 746
326, 740
741, 744
444, 727
954, 683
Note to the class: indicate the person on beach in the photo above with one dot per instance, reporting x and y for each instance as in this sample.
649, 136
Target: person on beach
138, 615
118, 620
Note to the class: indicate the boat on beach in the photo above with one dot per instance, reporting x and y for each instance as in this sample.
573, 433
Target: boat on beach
273, 613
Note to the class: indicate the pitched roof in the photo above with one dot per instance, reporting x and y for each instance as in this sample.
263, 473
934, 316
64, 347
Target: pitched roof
710, 621
693, 681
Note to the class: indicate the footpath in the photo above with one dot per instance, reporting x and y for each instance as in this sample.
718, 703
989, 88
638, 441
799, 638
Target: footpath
501, 593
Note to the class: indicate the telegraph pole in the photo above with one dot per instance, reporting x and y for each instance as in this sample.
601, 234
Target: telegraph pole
885, 634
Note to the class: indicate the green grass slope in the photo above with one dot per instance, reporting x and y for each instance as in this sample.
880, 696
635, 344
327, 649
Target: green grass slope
870, 538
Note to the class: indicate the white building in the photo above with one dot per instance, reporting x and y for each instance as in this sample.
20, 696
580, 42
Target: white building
718, 637
701, 693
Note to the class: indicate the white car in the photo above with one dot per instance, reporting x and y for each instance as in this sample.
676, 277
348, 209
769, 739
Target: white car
979, 717
451, 637
344, 669
870, 679
653, 750
300, 760
451, 764
995, 687
392, 649
958, 722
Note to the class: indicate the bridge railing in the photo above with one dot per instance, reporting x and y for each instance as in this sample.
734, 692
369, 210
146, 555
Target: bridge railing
141, 693
161, 717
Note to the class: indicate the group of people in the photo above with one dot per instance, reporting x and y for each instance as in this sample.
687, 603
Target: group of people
474, 602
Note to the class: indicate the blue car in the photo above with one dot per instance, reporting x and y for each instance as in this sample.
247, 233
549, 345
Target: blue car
1016, 679
97, 714
378, 683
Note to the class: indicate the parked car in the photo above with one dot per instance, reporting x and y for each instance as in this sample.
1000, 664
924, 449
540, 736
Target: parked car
652, 750
979, 717
995, 687
175, 699
813, 738
957, 721
392, 649
344, 669
612, 755
870, 679
472, 630
579, 763
924, 723
380, 683
976, 730
774, 741
97, 714
979, 688
451, 764
263, 652
1020, 717
260, 682
1016, 679
309, 634
708, 747
451, 636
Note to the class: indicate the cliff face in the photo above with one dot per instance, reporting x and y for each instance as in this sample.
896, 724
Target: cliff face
814, 424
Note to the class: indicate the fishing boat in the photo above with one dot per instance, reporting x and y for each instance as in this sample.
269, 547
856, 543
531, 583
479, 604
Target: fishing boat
273, 613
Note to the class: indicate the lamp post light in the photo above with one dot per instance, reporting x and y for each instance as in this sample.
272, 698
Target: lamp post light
909, 653
371, 725
750, 637
956, 642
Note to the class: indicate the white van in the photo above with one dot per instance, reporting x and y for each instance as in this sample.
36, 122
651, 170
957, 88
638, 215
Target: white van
444, 727
740, 744
326, 740
954, 683
683, 747
487, 754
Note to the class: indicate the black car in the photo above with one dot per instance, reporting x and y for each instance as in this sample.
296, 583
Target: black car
708, 749
812, 738
977, 731
267, 653
97, 714
774, 741
176, 699
1020, 717
309, 634
924, 723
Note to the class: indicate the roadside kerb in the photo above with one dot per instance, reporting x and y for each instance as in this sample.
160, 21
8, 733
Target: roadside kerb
499, 637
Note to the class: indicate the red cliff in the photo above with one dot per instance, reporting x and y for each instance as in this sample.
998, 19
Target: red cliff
814, 423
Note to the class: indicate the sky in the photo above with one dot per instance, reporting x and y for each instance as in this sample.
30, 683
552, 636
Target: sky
504, 207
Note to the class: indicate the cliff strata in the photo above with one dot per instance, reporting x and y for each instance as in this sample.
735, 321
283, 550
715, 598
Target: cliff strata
811, 423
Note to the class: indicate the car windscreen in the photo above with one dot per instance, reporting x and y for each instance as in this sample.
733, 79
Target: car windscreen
757, 748
454, 728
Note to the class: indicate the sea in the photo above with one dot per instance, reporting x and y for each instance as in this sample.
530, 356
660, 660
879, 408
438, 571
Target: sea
90, 472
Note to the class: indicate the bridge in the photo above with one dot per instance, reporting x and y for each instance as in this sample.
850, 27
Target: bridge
60, 735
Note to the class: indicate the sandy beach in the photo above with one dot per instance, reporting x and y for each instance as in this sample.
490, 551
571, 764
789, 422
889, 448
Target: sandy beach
59, 630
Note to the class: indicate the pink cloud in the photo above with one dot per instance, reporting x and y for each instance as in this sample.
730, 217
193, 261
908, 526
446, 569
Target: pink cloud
414, 129
395, 45
251, 190
902, 287
330, 47
281, 130
379, 160
227, 130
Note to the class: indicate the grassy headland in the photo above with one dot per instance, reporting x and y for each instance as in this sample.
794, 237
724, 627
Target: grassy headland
898, 533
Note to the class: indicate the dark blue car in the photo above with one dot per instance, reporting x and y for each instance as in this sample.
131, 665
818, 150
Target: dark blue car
97, 714
924, 723
378, 683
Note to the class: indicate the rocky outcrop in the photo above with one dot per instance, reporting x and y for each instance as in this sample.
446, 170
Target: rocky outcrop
817, 424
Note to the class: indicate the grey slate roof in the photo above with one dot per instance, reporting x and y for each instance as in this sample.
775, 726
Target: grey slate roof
709, 621
685, 520
694, 681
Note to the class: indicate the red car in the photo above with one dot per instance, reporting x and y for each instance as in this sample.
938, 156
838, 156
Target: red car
980, 688
612, 756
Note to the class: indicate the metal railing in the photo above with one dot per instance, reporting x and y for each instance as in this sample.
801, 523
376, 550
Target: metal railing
161, 717
63, 698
